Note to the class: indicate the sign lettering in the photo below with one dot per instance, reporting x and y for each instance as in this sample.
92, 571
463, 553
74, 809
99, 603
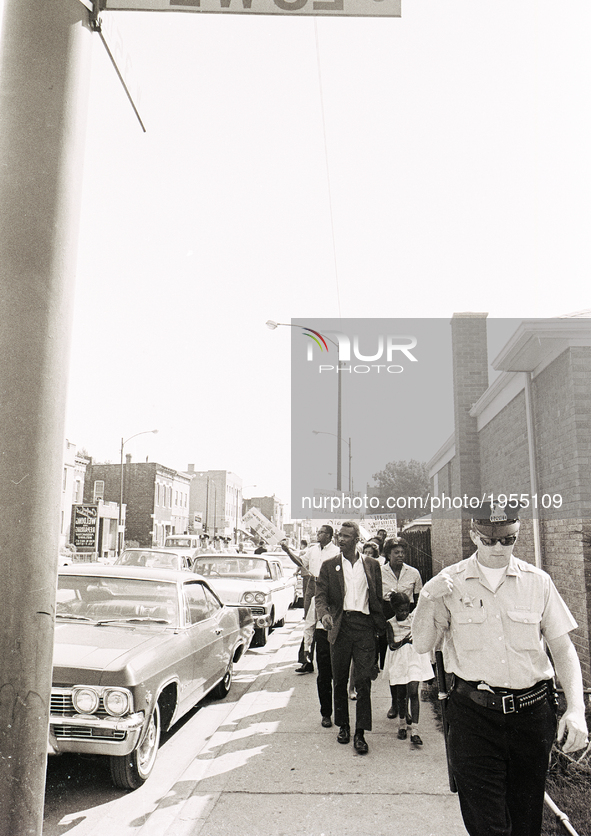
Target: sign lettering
338, 8
85, 526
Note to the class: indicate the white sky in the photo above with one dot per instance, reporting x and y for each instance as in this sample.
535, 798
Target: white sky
452, 146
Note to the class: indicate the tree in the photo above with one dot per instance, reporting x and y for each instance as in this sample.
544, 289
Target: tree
401, 486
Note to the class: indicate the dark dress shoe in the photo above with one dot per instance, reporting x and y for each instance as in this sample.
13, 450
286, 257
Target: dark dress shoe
414, 738
307, 667
402, 733
392, 713
326, 722
344, 735
360, 744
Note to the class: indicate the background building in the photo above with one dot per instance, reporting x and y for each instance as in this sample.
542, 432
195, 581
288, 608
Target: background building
156, 497
73, 477
215, 503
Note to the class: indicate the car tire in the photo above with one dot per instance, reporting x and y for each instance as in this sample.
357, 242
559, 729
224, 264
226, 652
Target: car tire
222, 689
261, 634
280, 623
131, 771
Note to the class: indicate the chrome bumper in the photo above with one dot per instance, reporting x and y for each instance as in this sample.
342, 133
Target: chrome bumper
88, 734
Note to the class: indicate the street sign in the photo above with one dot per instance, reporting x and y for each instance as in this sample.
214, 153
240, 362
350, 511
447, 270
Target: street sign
334, 8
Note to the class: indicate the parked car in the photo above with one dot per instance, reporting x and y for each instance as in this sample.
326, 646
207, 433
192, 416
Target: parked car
187, 544
153, 558
135, 649
256, 581
290, 568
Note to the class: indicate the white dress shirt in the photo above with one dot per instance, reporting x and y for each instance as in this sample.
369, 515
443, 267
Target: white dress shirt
356, 588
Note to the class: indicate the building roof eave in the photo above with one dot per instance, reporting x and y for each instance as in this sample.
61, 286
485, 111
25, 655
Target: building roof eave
537, 342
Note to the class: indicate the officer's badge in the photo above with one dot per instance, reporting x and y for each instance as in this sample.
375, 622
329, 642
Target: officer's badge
497, 514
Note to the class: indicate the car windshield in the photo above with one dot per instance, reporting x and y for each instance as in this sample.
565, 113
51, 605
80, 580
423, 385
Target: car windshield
154, 559
87, 598
232, 567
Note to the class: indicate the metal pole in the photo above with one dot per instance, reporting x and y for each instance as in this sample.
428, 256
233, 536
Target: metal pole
350, 482
215, 509
119, 532
44, 63
339, 431
560, 815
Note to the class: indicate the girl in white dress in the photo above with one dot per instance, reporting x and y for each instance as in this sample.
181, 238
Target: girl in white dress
405, 668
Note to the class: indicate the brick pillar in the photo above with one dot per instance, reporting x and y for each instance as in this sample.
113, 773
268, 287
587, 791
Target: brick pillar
470, 381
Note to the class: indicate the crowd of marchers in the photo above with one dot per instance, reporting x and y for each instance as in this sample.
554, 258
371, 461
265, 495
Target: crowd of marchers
502, 630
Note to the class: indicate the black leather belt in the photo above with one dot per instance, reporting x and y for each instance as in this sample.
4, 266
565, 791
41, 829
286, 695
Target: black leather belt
505, 701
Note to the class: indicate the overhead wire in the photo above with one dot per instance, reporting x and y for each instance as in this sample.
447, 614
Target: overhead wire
322, 113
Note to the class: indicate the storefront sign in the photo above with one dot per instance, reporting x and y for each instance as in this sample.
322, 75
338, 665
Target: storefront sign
85, 526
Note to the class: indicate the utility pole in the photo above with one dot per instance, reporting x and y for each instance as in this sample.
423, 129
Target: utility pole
44, 63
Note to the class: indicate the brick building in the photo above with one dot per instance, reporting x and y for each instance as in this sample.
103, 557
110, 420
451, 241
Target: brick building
270, 506
156, 498
528, 434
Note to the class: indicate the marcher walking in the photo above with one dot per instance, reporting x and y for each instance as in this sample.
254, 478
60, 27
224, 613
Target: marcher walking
406, 669
310, 561
349, 605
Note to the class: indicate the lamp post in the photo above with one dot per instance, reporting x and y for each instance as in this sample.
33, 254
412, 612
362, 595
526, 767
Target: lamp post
120, 524
323, 432
270, 323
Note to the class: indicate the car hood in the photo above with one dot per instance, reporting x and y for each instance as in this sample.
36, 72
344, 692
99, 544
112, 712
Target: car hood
87, 654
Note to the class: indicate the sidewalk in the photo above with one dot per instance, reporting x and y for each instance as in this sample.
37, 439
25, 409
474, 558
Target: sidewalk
272, 770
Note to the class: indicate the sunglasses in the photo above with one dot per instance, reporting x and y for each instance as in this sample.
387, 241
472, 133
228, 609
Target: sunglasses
492, 541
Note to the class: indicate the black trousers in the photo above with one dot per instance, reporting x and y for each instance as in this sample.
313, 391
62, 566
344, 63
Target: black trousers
355, 642
324, 668
499, 762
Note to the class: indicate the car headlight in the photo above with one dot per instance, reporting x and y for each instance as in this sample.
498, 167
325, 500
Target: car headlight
254, 598
116, 702
85, 700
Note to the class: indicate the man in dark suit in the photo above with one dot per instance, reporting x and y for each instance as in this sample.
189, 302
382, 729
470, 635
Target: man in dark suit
349, 604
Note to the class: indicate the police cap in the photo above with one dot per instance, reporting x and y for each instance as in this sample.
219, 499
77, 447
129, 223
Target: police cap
493, 520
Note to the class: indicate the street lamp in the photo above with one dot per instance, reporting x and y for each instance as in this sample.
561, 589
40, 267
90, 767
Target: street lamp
119, 531
323, 432
270, 323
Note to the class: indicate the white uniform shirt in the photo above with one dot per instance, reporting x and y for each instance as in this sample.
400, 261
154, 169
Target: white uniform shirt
496, 636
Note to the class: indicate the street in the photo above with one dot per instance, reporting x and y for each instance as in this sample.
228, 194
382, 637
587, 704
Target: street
258, 763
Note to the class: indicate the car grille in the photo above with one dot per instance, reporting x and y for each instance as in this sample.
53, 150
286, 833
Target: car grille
85, 733
61, 705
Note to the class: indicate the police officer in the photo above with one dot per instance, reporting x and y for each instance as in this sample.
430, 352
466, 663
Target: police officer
493, 611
